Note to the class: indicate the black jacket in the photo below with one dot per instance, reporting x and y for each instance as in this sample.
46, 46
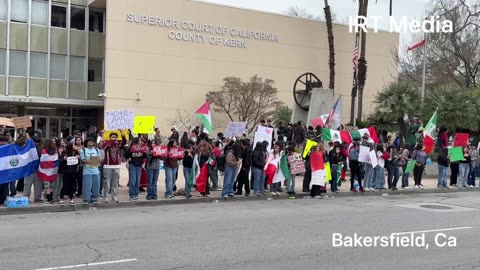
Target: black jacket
258, 160
246, 158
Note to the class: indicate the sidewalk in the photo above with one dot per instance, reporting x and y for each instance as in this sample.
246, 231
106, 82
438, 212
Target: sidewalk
430, 186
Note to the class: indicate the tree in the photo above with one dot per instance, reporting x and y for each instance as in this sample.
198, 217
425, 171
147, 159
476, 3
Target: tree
394, 102
283, 114
457, 108
331, 45
301, 12
452, 58
248, 101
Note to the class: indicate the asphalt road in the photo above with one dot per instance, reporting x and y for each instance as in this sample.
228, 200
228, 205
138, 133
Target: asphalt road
270, 234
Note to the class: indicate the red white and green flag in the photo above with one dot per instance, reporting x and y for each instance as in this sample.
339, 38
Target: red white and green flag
336, 135
203, 115
428, 133
371, 132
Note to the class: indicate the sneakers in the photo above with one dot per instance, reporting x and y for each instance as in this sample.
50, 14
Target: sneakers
85, 203
106, 199
278, 193
188, 196
417, 186
318, 197
72, 203
362, 190
115, 199
273, 193
407, 187
62, 203
133, 199
420, 186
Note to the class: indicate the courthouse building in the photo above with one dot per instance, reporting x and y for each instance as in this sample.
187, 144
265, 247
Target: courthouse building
65, 62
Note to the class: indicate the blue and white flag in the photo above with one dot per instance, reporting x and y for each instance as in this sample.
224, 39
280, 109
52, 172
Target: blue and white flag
17, 162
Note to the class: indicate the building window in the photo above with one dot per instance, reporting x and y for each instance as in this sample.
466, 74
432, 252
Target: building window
3, 10
96, 21
59, 16
77, 68
2, 62
95, 70
19, 11
18, 63
38, 65
57, 67
77, 18
39, 12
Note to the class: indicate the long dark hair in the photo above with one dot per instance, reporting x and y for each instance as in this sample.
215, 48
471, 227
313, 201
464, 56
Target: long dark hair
258, 147
50, 145
69, 149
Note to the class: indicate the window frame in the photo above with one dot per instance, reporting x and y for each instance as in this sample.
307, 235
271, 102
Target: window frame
46, 65
52, 55
11, 9
70, 68
84, 17
48, 13
6, 11
66, 15
103, 69
104, 19
4, 62
10, 62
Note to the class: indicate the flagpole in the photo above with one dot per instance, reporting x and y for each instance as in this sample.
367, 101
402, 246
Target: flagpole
424, 67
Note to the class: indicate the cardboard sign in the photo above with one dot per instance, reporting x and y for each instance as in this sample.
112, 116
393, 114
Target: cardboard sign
461, 139
159, 151
363, 154
121, 119
106, 134
456, 154
6, 122
139, 148
176, 152
93, 162
264, 134
296, 163
235, 129
373, 158
144, 125
72, 161
22, 122
319, 178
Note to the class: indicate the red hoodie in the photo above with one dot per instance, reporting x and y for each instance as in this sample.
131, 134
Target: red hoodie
113, 150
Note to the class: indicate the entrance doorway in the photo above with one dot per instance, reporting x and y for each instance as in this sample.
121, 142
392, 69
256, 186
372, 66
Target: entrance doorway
51, 127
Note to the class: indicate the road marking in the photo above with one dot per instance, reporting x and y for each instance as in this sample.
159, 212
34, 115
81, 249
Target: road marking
87, 264
437, 230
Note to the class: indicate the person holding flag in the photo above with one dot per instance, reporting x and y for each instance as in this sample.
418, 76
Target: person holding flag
48, 169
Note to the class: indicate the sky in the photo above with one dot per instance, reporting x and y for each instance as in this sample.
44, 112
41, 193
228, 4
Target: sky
413, 9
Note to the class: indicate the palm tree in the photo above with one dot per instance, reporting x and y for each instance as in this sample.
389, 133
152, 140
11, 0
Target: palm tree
331, 45
282, 114
394, 102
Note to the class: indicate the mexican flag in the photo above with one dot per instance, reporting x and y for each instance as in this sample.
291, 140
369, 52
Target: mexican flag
203, 115
336, 135
429, 140
277, 170
370, 131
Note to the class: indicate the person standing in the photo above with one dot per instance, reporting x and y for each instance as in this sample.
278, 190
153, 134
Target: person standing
392, 166
79, 146
33, 178
291, 180
379, 171
336, 160
187, 163
58, 184
175, 135
232, 162
404, 159
171, 167
135, 162
473, 152
275, 177
153, 170
90, 157
111, 165
258, 163
464, 169
420, 158
69, 164
242, 178
443, 160
355, 169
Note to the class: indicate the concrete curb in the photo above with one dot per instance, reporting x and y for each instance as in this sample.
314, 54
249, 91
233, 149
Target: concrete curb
162, 202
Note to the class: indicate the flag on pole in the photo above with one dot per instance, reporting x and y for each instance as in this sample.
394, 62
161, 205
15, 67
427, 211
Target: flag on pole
371, 132
418, 41
355, 59
203, 115
17, 162
429, 140
336, 135
334, 119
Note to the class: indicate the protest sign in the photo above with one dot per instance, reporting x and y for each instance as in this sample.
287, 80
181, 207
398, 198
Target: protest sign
263, 134
159, 151
120, 119
461, 139
176, 152
316, 161
308, 147
139, 148
318, 178
22, 122
373, 158
72, 161
410, 166
456, 153
106, 134
6, 122
363, 154
144, 124
296, 163
235, 129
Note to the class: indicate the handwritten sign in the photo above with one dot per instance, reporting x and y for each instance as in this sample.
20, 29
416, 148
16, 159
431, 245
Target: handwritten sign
159, 151
93, 162
144, 124
139, 148
296, 163
176, 152
263, 134
373, 158
6, 122
363, 155
121, 119
236, 129
106, 134
72, 161
461, 139
22, 122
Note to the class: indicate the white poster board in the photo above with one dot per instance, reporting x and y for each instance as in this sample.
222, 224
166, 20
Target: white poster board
318, 178
235, 129
120, 119
72, 161
373, 158
363, 154
264, 134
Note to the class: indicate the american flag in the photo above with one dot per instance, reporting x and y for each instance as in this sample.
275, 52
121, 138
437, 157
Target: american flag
355, 59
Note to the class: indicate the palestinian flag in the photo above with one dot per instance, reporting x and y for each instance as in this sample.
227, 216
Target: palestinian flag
203, 115
370, 131
428, 133
336, 135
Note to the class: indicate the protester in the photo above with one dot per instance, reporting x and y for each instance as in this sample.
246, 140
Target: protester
420, 158
111, 165
171, 167
258, 164
290, 183
282, 132
79, 146
58, 184
135, 160
316, 189
404, 159
464, 169
90, 157
33, 178
443, 160
204, 156
69, 170
299, 135
275, 178
392, 165
153, 171
242, 177
473, 152
355, 168
187, 170
232, 162
379, 170
175, 135
336, 160
369, 183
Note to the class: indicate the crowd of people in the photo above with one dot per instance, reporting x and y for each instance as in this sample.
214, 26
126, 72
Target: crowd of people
90, 168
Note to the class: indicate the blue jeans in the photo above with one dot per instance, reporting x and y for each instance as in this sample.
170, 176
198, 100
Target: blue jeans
393, 176
471, 175
442, 176
228, 180
152, 176
258, 180
405, 177
91, 187
368, 183
463, 175
134, 174
379, 177
333, 183
187, 173
169, 180
291, 184
275, 186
